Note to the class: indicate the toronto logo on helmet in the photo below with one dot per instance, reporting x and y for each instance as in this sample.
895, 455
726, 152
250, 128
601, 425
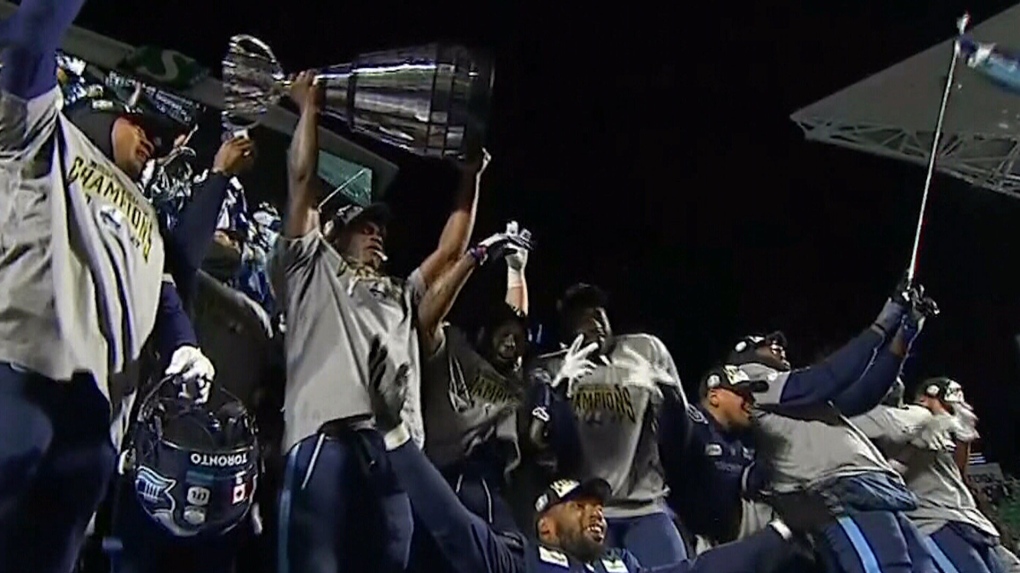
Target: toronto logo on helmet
220, 460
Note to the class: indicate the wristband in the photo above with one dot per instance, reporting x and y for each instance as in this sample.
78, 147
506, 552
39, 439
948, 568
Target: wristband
514, 278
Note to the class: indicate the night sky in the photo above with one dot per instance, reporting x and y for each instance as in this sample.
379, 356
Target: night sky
651, 152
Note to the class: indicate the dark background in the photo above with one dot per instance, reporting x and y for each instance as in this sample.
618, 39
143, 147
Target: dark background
650, 151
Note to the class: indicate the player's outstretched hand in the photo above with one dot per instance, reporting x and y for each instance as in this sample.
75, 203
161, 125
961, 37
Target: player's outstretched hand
896, 307
499, 245
516, 256
576, 365
388, 392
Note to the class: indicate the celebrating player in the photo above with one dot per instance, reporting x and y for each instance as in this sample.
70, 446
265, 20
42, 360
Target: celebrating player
81, 267
570, 524
819, 459
340, 507
716, 472
617, 404
920, 441
473, 386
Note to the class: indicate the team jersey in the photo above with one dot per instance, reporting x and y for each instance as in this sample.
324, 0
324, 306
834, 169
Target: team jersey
708, 488
81, 257
466, 403
930, 470
616, 408
810, 449
542, 559
333, 310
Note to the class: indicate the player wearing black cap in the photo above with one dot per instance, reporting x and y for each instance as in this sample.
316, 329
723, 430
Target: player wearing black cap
921, 441
716, 472
570, 524
816, 454
82, 276
621, 389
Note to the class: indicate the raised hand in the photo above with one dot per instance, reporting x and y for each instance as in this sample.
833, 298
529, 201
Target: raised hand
576, 365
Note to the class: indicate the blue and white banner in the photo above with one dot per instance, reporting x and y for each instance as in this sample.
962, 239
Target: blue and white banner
997, 65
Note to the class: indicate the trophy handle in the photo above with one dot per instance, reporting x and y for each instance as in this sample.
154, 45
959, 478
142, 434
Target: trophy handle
264, 47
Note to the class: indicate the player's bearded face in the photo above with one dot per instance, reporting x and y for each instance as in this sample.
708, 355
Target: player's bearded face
365, 243
581, 528
131, 147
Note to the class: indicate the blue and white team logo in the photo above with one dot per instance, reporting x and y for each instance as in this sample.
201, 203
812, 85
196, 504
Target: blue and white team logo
695, 414
154, 490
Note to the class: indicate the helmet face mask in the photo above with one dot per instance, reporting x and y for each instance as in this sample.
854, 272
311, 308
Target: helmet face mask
195, 466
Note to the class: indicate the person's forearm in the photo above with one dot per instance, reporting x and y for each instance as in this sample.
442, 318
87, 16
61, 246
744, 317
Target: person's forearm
467, 542
173, 327
190, 240
302, 167
441, 296
517, 290
31, 38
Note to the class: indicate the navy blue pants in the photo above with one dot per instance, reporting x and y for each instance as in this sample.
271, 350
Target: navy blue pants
55, 461
961, 548
143, 546
875, 542
341, 509
653, 539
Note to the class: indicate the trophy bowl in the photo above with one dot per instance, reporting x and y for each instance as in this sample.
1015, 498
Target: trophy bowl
431, 100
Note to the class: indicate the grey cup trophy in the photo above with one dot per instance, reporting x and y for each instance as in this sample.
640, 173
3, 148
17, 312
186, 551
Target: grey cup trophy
430, 100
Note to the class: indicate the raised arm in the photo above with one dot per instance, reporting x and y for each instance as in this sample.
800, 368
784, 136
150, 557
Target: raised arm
459, 226
467, 542
769, 550
441, 293
516, 282
31, 38
188, 243
439, 299
302, 161
867, 392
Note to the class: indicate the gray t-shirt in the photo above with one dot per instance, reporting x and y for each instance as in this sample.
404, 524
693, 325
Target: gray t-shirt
616, 408
467, 402
805, 453
81, 258
931, 472
333, 310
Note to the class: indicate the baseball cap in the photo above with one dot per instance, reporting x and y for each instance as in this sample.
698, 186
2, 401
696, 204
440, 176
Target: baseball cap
945, 389
95, 118
581, 295
748, 344
376, 212
729, 377
567, 489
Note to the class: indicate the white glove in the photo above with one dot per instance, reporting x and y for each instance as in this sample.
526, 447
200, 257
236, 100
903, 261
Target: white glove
642, 373
576, 365
496, 246
196, 373
516, 256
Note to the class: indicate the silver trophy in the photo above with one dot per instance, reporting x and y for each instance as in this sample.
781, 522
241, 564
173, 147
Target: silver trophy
430, 100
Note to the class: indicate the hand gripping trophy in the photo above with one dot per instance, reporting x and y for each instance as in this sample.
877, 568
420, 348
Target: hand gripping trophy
430, 100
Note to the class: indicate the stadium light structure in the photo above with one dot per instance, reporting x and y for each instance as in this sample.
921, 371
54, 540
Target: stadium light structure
892, 113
